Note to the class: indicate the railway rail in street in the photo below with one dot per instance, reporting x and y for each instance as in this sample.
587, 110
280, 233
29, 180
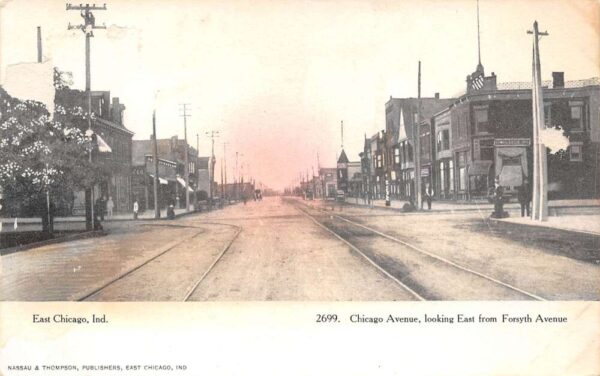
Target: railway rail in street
171, 246
404, 280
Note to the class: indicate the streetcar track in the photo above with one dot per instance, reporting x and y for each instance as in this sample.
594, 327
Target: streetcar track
370, 260
170, 247
210, 268
444, 260
414, 248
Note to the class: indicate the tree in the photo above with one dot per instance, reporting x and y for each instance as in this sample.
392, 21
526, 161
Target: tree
41, 155
62, 80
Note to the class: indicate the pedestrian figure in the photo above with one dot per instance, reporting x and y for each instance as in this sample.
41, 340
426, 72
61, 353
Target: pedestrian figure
498, 199
136, 208
110, 205
427, 196
100, 208
170, 212
524, 197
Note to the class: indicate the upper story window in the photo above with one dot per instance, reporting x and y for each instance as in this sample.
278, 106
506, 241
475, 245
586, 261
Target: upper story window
486, 150
481, 119
397, 155
576, 114
547, 114
576, 152
443, 140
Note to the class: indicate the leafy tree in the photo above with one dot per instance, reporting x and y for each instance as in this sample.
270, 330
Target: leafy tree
62, 80
39, 154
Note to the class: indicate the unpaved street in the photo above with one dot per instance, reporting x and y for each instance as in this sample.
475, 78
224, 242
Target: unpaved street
291, 249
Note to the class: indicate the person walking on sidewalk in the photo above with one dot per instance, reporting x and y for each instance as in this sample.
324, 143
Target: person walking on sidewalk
524, 197
136, 208
110, 205
427, 196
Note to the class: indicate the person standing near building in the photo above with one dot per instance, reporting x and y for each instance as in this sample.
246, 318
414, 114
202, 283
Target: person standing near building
110, 205
427, 196
524, 197
498, 199
136, 208
100, 206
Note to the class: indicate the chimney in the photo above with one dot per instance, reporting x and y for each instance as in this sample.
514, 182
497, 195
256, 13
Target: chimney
558, 80
437, 95
39, 44
116, 111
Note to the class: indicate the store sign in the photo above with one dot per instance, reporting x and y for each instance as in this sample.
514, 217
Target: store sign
512, 142
425, 172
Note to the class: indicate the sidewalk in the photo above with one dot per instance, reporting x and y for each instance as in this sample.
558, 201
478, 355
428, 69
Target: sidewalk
453, 206
581, 216
72, 223
587, 224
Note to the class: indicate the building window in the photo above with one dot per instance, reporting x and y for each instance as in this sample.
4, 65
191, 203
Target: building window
576, 117
547, 114
481, 119
576, 152
397, 155
441, 176
486, 150
410, 152
443, 140
451, 175
379, 160
462, 178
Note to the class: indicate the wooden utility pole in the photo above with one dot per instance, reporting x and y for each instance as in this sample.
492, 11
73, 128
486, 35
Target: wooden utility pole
88, 29
186, 169
540, 167
211, 171
417, 143
155, 161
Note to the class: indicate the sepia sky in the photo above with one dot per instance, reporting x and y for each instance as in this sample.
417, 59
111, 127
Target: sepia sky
275, 78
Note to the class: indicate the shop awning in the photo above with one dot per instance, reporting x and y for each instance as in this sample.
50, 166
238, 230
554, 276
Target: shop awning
161, 180
182, 182
103, 147
480, 168
511, 176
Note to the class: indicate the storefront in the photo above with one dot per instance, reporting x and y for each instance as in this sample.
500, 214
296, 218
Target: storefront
510, 160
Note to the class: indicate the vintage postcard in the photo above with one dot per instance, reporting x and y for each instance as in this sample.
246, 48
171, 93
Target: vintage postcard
352, 187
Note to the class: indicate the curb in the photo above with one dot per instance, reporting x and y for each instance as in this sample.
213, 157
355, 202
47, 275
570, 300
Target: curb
584, 232
62, 239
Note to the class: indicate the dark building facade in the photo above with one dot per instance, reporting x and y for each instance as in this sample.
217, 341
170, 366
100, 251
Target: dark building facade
401, 132
115, 155
487, 134
171, 157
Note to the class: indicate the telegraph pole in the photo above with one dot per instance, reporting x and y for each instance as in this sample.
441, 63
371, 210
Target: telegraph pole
197, 164
211, 172
186, 170
540, 168
88, 29
155, 160
417, 138
225, 161
222, 187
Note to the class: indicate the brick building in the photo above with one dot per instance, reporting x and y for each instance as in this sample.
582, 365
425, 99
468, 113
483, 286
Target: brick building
487, 132
115, 156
